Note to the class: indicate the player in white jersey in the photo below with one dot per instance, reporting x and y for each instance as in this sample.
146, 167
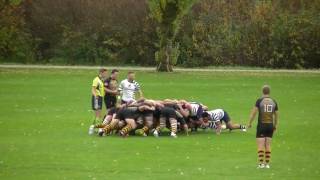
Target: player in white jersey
212, 119
128, 87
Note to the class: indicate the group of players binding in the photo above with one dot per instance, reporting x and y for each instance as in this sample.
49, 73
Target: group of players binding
147, 116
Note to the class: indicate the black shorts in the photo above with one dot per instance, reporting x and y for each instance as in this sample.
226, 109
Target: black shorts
226, 117
147, 114
112, 111
168, 113
110, 101
126, 114
264, 130
96, 103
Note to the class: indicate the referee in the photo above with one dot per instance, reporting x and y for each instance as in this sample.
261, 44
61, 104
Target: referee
98, 93
267, 124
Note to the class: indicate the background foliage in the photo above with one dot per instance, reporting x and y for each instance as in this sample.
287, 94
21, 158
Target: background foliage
265, 33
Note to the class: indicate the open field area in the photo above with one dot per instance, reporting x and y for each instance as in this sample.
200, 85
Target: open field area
45, 115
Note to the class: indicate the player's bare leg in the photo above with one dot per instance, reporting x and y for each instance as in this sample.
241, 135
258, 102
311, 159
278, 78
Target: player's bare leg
261, 142
98, 114
97, 117
267, 151
232, 126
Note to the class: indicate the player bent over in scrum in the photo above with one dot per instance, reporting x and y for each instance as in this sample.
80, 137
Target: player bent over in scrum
148, 116
195, 111
168, 117
118, 119
267, 124
130, 118
213, 119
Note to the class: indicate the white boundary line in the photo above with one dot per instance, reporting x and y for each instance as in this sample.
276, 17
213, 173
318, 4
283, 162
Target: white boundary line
12, 66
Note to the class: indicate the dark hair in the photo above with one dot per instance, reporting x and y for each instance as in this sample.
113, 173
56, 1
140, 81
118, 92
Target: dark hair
102, 70
266, 89
205, 114
114, 71
130, 72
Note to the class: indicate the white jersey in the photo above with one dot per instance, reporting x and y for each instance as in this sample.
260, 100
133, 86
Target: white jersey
128, 90
195, 108
216, 115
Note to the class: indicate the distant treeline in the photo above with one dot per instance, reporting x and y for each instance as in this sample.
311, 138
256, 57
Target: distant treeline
264, 33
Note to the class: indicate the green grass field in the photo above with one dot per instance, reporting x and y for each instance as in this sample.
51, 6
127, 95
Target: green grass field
45, 114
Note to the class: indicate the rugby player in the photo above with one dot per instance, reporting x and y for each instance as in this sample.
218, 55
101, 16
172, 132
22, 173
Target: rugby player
212, 119
98, 93
128, 88
111, 89
195, 114
128, 116
267, 124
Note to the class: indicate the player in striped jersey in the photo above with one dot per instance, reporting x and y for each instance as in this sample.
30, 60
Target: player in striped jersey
128, 88
195, 111
212, 119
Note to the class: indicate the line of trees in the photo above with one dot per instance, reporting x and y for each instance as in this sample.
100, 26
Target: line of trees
264, 33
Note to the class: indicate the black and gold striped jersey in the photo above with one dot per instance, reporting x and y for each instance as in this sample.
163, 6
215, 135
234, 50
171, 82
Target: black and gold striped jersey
267, 106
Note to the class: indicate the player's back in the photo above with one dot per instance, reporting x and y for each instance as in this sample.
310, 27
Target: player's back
267, 106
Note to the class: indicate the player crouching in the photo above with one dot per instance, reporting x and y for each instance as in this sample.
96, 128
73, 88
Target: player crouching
212, 119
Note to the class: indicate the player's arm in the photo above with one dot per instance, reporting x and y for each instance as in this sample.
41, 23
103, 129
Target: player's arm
140, 93
218, 127
120, 88
115, 92
276, 119
183, 112
252, 116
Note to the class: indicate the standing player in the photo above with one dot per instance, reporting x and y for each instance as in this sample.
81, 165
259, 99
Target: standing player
110, 86
267, 124
128, 88
98, 93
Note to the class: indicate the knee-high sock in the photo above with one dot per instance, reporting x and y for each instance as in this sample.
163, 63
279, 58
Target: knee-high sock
174, 126
261, 156
126, 129
99, 126
158, 128
108, 128
145, 129
268, 156
162, 124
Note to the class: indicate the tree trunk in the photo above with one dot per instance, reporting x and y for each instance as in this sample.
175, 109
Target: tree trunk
165, 63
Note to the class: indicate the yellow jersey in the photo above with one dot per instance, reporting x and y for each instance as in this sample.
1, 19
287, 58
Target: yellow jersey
99, 86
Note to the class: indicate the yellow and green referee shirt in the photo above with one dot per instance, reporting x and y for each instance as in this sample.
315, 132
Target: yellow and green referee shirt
98, 84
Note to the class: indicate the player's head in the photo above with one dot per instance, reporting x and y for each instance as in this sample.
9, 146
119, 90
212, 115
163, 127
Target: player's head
266, 90
205, 116
114, 73
103, 73
131, 75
